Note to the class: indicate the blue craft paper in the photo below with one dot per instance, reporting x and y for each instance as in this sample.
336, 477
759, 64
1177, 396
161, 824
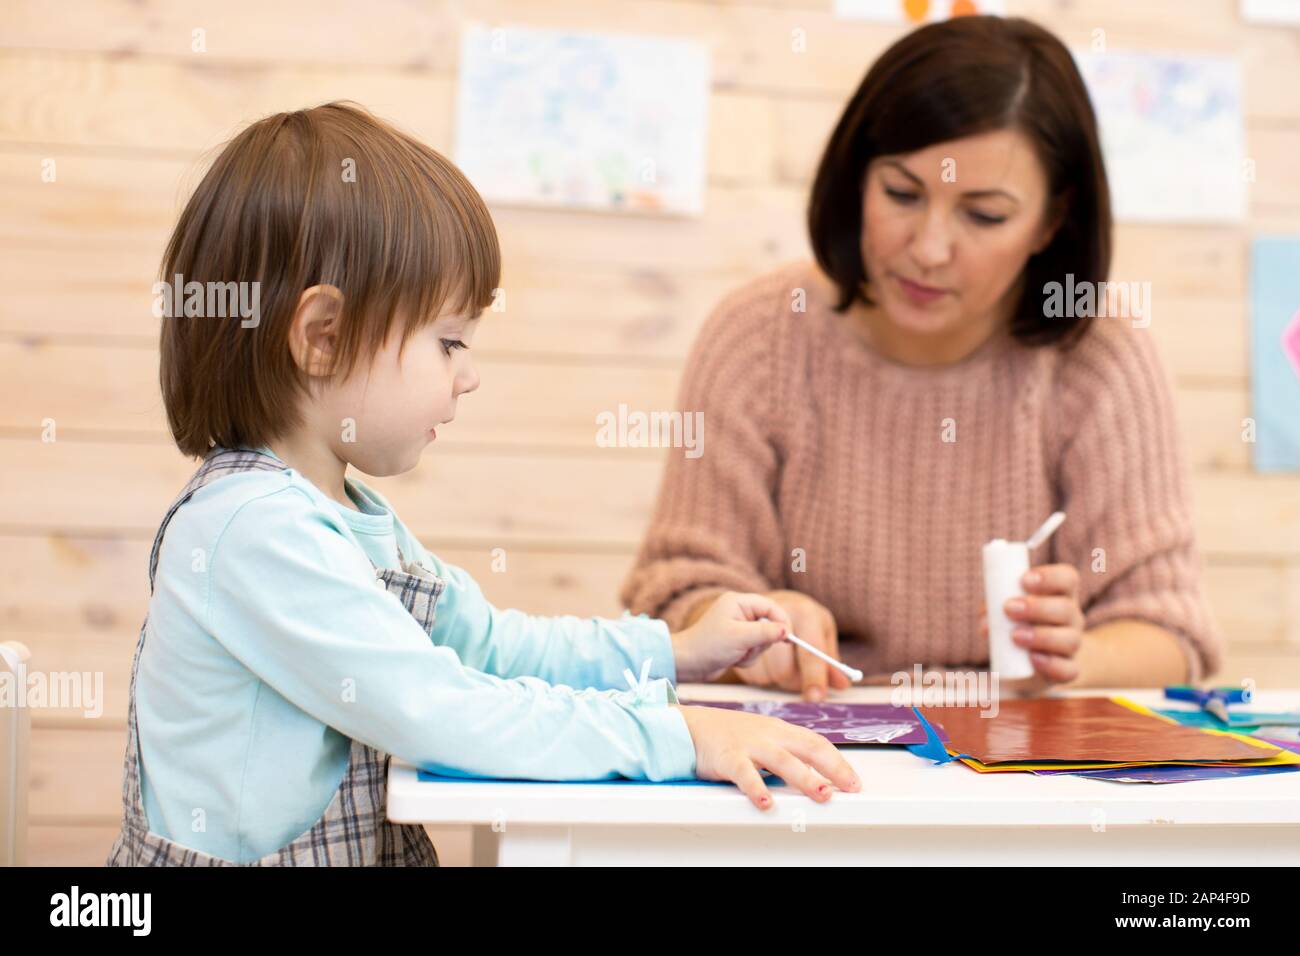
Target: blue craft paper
1275, 387
425, 776
933, 748
1241, 719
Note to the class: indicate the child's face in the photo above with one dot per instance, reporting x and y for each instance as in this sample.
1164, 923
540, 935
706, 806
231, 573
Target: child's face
385, 416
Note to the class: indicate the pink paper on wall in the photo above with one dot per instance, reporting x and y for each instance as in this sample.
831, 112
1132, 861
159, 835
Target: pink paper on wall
1291, 341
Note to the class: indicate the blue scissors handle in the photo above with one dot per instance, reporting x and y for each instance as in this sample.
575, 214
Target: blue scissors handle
1203, 695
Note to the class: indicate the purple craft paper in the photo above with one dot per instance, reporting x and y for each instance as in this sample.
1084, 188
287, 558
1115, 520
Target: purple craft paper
1175, 774
840, 723
1291, 745
1288, 737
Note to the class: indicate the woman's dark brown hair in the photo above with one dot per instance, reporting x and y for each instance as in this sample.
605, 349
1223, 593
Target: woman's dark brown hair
330, 195
957, 78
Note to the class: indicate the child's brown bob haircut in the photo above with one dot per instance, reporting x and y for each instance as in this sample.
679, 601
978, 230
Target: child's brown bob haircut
330, 195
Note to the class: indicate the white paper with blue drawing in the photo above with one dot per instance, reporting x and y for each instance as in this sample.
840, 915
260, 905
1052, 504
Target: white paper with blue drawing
584, 120
1172, 134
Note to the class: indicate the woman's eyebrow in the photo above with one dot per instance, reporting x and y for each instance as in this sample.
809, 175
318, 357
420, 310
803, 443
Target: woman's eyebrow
971, 193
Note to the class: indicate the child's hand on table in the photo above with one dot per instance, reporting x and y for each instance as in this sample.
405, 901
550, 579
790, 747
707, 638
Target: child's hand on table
734, 630
1049, 622
734, 745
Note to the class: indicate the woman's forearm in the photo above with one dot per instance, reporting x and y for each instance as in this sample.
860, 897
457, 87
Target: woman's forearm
1130, 653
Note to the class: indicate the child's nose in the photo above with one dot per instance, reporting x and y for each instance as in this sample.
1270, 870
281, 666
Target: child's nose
467, 381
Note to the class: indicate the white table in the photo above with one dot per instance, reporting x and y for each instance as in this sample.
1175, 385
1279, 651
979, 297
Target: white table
910, 811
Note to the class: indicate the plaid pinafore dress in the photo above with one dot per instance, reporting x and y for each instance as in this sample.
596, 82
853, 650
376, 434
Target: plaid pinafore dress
354, 829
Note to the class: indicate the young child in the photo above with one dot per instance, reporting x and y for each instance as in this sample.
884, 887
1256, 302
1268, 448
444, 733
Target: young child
298, 634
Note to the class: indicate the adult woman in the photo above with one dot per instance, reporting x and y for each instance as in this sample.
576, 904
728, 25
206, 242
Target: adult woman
874, 418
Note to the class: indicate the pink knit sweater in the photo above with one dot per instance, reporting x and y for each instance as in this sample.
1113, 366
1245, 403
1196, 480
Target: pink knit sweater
813, 441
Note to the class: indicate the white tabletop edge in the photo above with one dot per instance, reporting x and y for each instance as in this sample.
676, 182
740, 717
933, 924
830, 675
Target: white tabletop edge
899, 789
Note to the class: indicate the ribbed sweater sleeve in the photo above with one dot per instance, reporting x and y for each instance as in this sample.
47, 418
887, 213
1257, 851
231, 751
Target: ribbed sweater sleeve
1124, 485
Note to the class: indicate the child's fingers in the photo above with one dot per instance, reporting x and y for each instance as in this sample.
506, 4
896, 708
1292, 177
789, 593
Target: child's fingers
759, 606
761, 634
746, 776
757, 637
815, 750
793, 771
758, 671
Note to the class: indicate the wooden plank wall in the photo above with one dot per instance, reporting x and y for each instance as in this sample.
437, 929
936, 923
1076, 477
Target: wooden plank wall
601, 309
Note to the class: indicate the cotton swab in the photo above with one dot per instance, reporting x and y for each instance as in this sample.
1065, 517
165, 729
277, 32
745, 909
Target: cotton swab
853, 673
1045, 530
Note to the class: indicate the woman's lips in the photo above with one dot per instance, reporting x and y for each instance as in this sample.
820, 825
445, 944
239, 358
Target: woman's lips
920, 294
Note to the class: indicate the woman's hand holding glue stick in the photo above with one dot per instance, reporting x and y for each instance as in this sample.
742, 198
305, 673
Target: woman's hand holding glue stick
1035, 634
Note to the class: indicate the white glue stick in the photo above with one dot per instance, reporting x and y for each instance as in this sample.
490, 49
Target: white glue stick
1005, 563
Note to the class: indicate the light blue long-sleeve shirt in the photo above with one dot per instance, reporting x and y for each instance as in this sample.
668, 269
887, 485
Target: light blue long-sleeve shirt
271, 644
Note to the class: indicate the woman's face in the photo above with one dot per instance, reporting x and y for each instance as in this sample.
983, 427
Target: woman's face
948, 229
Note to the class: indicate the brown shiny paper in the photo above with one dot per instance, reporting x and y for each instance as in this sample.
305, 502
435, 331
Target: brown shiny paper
1079, 729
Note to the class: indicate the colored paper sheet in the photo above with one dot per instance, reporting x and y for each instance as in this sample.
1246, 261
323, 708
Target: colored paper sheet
1282, 736
1280, 758
1176, 774
1245, 722
933, 748
1182, 773
577, 120
840, 723
1172, 134
1291, 342
1086, 732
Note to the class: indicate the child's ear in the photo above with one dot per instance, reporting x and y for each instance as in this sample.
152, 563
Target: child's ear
314, 330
